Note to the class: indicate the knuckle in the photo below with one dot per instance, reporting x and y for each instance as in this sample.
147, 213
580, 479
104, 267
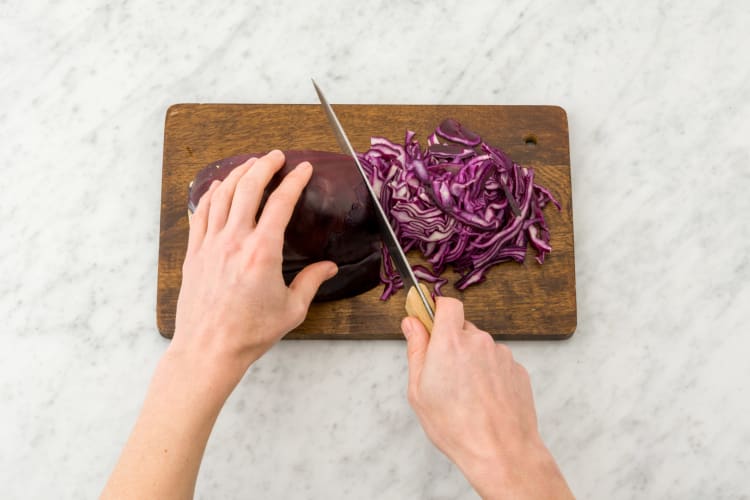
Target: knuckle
448, 301
230, 243
503, 351
486, 340
522, 374
249, 184
267, 241
229, 247
221, 194
256, 258
284, 196
267, 259
298, 310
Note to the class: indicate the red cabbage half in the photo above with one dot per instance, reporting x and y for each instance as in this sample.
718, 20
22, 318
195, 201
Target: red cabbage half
459, 201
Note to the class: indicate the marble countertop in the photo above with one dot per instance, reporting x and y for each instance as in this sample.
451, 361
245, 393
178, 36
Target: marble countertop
649, 398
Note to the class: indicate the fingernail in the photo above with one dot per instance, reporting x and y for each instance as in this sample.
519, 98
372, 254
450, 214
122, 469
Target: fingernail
275, 152
332, 271
304, 167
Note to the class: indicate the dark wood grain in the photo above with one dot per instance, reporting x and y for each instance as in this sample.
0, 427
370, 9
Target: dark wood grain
526, 301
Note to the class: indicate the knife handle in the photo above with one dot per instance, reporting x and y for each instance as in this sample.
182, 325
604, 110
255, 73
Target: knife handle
415, 307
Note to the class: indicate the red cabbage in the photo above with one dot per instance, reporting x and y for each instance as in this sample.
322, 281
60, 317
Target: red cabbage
451, 130
459, 201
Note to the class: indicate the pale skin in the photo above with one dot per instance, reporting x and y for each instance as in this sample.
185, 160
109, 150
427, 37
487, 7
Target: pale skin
473, 400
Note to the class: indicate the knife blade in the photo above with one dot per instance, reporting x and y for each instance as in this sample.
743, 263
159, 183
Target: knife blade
418, 300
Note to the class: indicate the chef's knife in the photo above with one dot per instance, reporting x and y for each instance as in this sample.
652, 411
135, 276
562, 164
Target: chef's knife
418, 300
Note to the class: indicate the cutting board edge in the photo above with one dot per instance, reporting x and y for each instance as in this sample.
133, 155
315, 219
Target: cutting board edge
177, 107
397, 336
566, 334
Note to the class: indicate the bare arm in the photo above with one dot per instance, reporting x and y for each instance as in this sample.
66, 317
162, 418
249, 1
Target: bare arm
475, 404
233, 307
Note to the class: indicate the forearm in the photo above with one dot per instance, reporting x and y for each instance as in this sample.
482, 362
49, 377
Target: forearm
532, 474
163, 454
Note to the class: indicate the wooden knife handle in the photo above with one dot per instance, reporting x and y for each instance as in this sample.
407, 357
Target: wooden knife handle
415, 307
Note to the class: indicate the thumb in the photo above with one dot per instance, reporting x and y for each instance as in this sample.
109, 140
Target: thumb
305, 285
417, 340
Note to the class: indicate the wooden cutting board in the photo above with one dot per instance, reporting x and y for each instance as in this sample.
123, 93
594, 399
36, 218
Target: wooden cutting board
528, 301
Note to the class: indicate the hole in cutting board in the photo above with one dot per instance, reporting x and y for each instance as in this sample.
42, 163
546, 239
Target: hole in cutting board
530, 140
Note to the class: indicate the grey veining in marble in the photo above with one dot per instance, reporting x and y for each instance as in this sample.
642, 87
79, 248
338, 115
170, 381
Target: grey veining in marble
650, 397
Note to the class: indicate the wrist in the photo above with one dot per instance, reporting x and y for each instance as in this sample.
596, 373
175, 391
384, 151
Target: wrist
529, 471
210, 370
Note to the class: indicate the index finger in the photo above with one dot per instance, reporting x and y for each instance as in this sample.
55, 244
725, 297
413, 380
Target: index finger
249, 191
280, 205
449, 316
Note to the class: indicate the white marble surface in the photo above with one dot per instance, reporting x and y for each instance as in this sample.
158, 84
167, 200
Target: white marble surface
650, 397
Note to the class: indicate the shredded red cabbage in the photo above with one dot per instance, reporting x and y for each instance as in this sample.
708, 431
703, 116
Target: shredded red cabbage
458, 205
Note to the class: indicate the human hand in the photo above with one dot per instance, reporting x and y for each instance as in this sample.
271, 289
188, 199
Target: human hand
234, 304
476, 405
233, 307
